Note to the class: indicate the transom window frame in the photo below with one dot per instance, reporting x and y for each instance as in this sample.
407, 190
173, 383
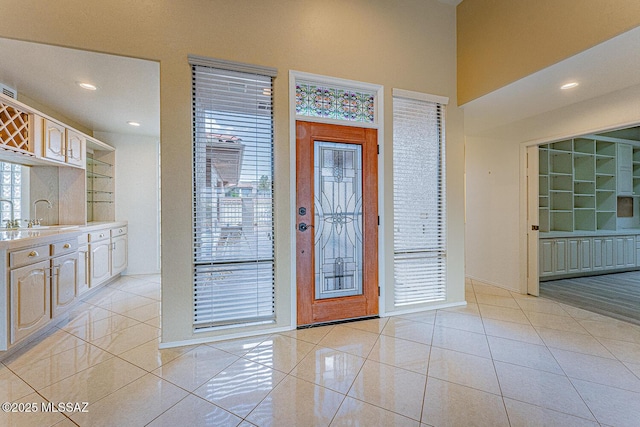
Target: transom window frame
377, 123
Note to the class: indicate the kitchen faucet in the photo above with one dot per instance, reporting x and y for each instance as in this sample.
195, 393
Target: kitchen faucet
11, 223
36, 221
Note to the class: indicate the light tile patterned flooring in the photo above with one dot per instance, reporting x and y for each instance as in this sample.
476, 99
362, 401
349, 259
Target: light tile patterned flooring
505, 359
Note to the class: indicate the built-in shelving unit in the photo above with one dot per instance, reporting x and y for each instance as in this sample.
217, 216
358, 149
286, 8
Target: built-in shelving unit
636, 171
100, 183
577, 185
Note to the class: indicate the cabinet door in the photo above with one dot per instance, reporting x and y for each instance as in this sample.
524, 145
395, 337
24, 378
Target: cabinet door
119, 254
83, 269
625, 169
560, 256
573, 255
99, 262
30, 299
629, 251
64, 282
585, 255
598, 254
608, 253
54, 141
546, 257
619, 252
76, 146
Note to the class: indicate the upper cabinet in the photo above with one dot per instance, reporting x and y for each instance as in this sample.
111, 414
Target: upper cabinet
53, 142
76, 148
625, 170
16, 128
63, 144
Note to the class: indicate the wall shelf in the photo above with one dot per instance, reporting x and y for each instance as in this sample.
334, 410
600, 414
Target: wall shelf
577, 185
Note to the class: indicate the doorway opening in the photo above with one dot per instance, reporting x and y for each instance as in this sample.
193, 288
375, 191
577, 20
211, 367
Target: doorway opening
584, 195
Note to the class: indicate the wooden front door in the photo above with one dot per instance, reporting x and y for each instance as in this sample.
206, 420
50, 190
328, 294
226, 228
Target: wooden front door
336, 222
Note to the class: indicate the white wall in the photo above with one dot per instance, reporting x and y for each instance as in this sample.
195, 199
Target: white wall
495, 245
138, 197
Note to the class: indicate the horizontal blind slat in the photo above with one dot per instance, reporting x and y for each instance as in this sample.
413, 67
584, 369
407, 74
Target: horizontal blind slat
233, 196
419, 201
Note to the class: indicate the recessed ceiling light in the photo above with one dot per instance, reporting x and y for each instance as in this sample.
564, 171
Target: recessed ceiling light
136, 124
569, 85
87, 86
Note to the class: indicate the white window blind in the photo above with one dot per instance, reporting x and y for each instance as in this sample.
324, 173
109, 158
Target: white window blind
233, 193
419, 199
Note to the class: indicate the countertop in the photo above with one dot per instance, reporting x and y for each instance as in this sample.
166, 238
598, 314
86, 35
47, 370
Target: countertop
22, 237
599, 233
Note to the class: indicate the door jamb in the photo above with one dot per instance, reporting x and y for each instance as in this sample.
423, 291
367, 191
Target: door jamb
378, 124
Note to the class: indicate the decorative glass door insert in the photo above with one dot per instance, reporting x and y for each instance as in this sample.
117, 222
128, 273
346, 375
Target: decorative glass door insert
338, 219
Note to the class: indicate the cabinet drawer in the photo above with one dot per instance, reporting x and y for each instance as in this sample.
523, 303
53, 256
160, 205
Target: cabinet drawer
118, 231
64, 247
28, 256
98, 235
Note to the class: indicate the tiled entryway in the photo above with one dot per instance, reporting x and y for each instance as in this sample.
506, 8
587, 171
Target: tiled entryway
505, 359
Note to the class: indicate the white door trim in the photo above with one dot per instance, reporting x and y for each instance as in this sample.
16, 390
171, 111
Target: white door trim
294, 77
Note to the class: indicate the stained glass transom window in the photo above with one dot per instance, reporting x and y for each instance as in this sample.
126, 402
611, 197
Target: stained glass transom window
314, 100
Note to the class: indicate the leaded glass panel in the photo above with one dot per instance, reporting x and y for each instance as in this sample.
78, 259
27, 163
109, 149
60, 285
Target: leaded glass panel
338, 219
334, 103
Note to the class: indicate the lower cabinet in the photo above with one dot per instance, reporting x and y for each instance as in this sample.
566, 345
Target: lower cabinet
63, 282
99, 262
119, 254
569, 256
30, 302
46, 279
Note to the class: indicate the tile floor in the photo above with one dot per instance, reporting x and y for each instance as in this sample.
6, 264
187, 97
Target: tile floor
505, 359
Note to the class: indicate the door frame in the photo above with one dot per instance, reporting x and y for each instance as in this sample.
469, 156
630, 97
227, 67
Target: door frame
378, 123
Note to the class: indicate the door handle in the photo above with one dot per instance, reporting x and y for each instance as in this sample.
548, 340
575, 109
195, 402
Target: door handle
304, 227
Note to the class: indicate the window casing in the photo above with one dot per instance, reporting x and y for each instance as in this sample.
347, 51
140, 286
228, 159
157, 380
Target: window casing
10, 189
419, 199
232, 194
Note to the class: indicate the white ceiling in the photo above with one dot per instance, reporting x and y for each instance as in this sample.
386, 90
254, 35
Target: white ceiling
610, 66
128, 88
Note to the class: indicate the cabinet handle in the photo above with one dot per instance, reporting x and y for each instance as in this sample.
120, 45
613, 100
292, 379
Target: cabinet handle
33, 254
66, 246
101, 234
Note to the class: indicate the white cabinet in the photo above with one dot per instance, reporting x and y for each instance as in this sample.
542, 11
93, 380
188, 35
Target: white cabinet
625, 252
62, 144
603, 258
585, 250
63, 282
108, 254
625, 170
545, 261
30, 302
53, 143
564, 257
75, 148
573, 255
99, 259
560, 256
119, 253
